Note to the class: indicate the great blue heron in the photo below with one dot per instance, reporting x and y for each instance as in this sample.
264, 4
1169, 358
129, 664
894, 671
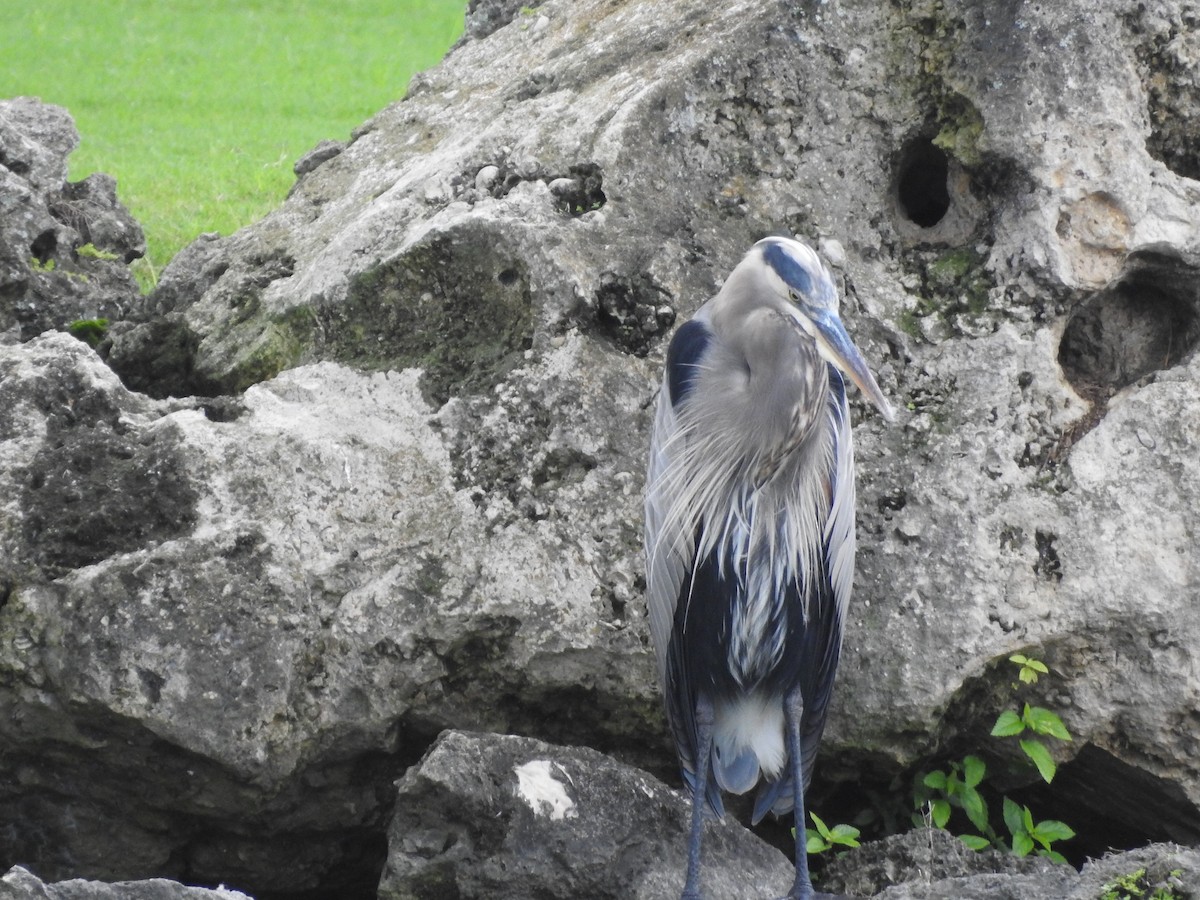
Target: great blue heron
750, 533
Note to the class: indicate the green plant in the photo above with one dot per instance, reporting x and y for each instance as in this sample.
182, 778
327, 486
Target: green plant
823, 838
1040, 721
91, 251
38, 266
959, 786
1135, 884
90, 331
1030, 669
938, 793
1026, 833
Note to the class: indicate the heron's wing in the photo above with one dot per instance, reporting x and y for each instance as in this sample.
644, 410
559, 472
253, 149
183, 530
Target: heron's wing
822, 642
669, 546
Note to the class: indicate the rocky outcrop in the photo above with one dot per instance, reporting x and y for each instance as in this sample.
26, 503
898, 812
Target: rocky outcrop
930, 865
509, 817
64, 246
411, 499
21, 884
156, 556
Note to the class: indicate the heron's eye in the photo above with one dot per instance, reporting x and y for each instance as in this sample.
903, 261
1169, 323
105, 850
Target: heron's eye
794, 295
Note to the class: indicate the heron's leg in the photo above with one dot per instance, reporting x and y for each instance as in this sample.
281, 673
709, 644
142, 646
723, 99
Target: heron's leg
793, 712
704, 731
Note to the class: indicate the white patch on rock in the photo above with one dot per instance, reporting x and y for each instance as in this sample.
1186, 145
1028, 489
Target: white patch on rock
545, 794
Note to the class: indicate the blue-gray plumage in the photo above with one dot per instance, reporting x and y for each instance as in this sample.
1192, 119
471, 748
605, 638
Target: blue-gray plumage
750, 533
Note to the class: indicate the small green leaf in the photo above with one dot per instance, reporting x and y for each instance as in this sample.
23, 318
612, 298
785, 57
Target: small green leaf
1013, 817
846, 835
1043, 721
1054, 856
973, 770
974, 841
1027, 819
1022, 844
814, 844
1019, 658
1008, 724
939, 811
935, 780
1053, 830
975, 808
954, 785
822, 828
1041, 757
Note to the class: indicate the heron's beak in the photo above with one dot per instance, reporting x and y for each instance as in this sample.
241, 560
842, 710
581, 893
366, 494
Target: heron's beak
834, 345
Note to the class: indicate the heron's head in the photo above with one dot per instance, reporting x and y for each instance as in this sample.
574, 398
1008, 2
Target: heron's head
798, 278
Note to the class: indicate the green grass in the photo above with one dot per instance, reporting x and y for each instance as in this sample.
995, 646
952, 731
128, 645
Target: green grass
200, 107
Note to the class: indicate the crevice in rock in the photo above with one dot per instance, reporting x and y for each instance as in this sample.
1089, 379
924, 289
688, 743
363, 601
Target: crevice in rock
1165, 53
302, 841
1048, 566
581, 191
1146, 322
44, 246
633, 312
1112, 805
921, 188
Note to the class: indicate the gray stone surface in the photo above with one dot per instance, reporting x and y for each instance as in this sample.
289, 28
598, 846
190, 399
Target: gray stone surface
416, 504
509, 817
21, 884
275, 604
931, 865
45, 282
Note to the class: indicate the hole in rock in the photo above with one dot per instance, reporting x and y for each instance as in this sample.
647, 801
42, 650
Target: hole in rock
1146, 322
44, 246
634, 312
1112, 805
922, 183
1172, 94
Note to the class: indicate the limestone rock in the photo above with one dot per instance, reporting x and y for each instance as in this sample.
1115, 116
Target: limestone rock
930, 865
64, 246
261, 610
20, 884
508, 817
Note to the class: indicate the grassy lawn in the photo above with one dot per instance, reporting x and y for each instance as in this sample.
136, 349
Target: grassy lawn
200, 107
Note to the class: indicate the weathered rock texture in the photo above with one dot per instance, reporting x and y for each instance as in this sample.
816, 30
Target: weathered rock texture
415, 503
20, 884
64, 246
930, 865
508, 817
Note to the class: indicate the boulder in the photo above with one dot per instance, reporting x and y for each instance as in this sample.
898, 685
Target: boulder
21, 884
65, 247
927, 864
511, 817
261, 611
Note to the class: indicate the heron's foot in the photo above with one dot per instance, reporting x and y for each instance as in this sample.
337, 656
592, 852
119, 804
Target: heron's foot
801, 890
690, 895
